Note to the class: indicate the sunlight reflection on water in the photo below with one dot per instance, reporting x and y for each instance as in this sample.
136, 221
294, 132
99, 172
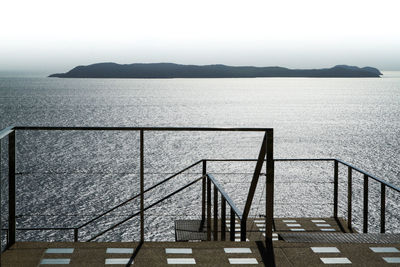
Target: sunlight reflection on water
68, 177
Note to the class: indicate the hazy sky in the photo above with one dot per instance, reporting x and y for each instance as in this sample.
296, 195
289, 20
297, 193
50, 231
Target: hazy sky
56, 35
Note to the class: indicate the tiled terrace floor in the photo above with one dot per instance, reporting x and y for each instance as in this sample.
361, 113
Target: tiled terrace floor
220, 253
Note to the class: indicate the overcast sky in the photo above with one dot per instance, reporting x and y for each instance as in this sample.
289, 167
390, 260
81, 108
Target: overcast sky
56, 35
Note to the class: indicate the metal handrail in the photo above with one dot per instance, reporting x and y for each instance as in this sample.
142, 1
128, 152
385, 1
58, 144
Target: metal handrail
266, 152
234, 211
225, 195
138, 195
6, 131
10, 132
42, 228
300, 159
322, 159
197, 129
369, 175
214, 181
351, 167
110, 210
146, 208
119, 223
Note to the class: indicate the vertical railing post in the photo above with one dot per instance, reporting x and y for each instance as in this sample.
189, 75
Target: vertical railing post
383, 207
335, 189
243, 229
76, 234
203, 195
141, 185
232, 226
208, 209
223, 218
11, 190
256, 176
349, 197
269, 198
365, 208
215, 213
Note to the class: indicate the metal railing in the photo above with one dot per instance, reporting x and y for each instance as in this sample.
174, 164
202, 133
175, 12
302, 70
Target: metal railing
10, 133
366, 177
144, 209
265, 156
76, 238
234, 211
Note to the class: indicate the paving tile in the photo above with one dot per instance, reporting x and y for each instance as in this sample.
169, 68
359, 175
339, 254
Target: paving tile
117, 261
237, 250
181, 261
119, 250
384, 249
325, 249
336, 260
243, 261
178, 251
318, 221
55, 261
323, 225
59, 250
392, 259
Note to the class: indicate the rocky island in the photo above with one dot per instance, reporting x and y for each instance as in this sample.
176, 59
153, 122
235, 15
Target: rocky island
171, 70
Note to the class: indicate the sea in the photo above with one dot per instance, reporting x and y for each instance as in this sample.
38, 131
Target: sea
66, 178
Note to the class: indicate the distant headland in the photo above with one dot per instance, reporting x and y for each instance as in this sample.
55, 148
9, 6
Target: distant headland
171, 70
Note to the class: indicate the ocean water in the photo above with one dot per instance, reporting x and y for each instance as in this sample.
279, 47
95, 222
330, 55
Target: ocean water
66, 178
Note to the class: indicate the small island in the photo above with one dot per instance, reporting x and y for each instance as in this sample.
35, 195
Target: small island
171, 70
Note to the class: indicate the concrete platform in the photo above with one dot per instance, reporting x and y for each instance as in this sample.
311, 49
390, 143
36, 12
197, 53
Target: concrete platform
198, 253
214, 253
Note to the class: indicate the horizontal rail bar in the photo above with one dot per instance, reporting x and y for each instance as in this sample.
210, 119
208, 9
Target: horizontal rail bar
137, 195
225, 195
370, 175
42, 228
6, 131
318, 159
200, 129
148, 207
322, 159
